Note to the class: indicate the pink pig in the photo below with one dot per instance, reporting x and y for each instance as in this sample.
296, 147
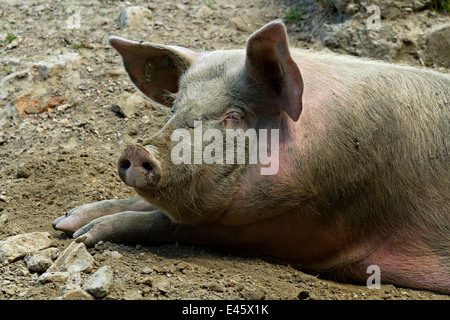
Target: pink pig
361, 161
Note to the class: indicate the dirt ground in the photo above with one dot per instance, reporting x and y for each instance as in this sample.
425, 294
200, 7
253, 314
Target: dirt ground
61, 136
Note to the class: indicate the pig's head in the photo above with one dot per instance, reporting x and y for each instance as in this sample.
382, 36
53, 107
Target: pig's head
259, 88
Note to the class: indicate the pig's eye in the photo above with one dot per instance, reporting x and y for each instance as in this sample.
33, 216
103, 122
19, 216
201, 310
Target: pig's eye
233, 116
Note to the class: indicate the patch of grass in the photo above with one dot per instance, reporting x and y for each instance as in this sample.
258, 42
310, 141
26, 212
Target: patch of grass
77, 46
209, 3
441, 5
7, 68
293, 14
10, 37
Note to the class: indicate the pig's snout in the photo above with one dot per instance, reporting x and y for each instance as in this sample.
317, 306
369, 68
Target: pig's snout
138, 168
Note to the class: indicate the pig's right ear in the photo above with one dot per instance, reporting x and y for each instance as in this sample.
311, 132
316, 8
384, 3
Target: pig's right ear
153, 68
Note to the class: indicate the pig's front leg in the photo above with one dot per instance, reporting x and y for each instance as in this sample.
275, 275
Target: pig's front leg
129, 227
153, 228
82, 215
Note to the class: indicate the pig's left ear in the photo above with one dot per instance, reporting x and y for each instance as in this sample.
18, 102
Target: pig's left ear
270, 66
154, 69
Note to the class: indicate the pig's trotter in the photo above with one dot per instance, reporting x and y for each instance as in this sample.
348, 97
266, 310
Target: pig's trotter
127, 227
82, 215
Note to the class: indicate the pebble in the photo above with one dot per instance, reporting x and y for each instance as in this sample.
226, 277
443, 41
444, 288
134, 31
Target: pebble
77, 294
100, 282
56, 276
3, 218
75, 255
437, 44
239, 24
163, 286
16, 247
133, 294
52, 66
113, 254
41, 260
203, 12
147, 271
127, 103
135, 17
254, 294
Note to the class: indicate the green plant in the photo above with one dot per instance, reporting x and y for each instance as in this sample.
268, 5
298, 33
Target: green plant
10, 37
293, 14
7, 68
441, 5
77, 46
209, 3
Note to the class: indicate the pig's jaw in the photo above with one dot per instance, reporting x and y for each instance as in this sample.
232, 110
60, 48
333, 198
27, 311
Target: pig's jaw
174, 201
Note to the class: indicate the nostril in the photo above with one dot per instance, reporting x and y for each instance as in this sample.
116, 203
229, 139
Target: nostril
148, 167
124, 165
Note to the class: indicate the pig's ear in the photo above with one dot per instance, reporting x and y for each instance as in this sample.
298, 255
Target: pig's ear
154, 69
270, 66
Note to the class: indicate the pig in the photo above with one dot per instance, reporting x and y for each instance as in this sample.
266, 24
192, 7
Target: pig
361, 177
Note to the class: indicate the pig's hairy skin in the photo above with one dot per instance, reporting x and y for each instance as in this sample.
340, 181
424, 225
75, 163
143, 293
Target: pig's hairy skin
372, 191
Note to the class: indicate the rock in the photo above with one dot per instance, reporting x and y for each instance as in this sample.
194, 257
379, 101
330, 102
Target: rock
438, 46
147, 270
351, 9
203, 12
127, 104
418, 5
23, 173
56, 276
163, 286
303, 295
15, 43
340, 5
27, 104
16, 247
239, 24
99, 283
52, 66
133, 294
254, 294
77, 294
40, 261
331, 41
3, 218
75, 256
8, 113
21, 81
135, 17
215, 287
390, 13
113, 254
